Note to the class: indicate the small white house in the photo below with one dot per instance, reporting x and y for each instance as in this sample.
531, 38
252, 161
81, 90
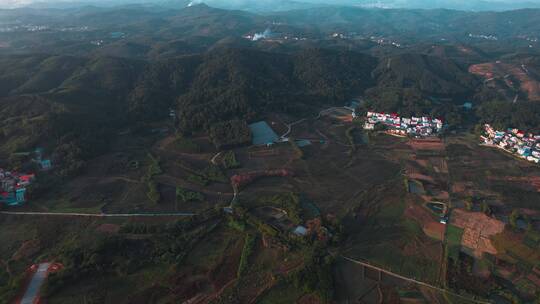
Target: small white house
369, 126
300, 230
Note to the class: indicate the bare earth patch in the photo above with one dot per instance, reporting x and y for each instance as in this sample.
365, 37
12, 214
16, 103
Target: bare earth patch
514, 76
430, 226
478, 228
431, 144
531, 181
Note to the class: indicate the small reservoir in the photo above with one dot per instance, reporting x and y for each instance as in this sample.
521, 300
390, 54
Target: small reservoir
262, 134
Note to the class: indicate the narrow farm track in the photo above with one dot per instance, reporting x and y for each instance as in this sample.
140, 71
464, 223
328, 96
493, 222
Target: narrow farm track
213, 160
319, 115
414, 281
325, 111
172, 181
289, 127
102, 215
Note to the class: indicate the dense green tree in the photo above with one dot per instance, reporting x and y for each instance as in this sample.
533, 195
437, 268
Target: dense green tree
230, 133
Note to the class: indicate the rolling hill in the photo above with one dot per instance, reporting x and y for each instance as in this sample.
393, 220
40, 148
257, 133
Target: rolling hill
430, 75
91, 97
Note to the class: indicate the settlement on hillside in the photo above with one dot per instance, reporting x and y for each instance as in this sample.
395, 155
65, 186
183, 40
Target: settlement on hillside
513, 141
13, 187
402, 126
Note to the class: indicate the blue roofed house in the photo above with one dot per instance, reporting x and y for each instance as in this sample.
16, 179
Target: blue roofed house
467, 105
13, 187
45, 164
13, 198
524, 151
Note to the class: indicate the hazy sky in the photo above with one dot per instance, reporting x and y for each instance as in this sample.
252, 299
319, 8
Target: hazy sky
311, 1
383, 3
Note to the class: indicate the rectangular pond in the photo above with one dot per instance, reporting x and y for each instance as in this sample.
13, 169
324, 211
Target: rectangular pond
262, 133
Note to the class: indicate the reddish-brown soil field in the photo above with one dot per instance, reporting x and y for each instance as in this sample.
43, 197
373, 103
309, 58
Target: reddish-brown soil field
461, 187
478, 228
421, 215
531, 181
513, 75
534, 278
427, 144
254, 285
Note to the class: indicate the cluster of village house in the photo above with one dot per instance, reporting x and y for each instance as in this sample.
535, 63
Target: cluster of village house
13, 187
414, 126
514, 141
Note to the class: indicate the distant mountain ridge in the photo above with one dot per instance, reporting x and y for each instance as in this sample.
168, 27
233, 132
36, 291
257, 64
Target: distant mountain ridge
467, 5
285, 5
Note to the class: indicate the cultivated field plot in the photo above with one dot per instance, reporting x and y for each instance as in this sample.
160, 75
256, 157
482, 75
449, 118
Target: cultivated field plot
326, 173
108, 183
115, 182
478, 229
391, 224
477, 171
380, 186
340, 114
429, 223
358, 285
384, 232
40, 239
427, 145
264, 158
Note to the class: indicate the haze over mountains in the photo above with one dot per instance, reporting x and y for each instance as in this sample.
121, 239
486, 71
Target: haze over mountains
152, 107
281, 5
143, 60
211, 64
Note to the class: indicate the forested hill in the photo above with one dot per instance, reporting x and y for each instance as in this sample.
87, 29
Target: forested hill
85, 101
238, 83
246, 82
428, 74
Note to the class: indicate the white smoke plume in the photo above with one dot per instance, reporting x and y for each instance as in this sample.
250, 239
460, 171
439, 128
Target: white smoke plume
264, 35
194, 2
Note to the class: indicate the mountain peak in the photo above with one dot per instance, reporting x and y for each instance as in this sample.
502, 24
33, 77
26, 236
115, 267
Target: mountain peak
197, 4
